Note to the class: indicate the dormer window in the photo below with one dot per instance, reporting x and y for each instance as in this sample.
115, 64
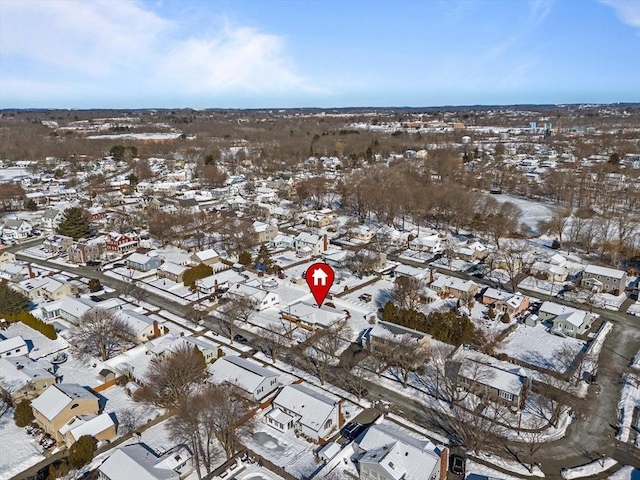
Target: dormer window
75, 405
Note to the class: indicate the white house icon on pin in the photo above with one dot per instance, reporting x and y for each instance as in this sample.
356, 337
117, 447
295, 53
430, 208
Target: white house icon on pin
319, 278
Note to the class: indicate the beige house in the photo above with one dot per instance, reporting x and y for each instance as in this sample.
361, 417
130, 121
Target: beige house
386, 335
23, 378
454, 286
59, 404
45, 287
208, 257
264, 231
101, 427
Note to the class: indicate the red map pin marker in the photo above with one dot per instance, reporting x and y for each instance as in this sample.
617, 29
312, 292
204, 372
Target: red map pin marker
320, 277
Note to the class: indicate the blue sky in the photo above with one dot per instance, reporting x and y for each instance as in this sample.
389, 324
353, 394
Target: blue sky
257, 54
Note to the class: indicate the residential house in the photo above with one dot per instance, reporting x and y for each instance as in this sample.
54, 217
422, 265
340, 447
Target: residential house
167, 344
386, 335
319, 219
100, 426
549, 271
121, 243
361, 234
85, 251
603, 279
206, 257
57, 244
488, 380
283, 241
256, 380
171, 271
143, 328
263, 298
264, 231
47, 288
142, 262
13, 272
23, 378
566, 320
431, 244
457, 287
505, 302
15, 229
138, 461
71, 308
219, 282
61, 402
422, 274
470, 252
387, 452
51, 218
336, 257
13, 347
308, 244
310, 317
308, 412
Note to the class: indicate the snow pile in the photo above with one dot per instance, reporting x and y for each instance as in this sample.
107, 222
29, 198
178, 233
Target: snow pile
628, 402
476, 469
510, 465
636, 361
594, 468
625, 473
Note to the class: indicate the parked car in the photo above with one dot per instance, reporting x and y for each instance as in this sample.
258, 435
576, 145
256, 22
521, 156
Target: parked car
365, 297
457, 465
240, 339
95, 298
93, 263
352, 430
118, 265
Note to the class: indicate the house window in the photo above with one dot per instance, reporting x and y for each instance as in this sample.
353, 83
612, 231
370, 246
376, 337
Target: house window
506, 395
328, 423
75, 405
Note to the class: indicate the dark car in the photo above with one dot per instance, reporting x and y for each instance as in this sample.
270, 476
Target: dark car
240, 339
118, 265
93, 263
457, 465
352, 430
95, 298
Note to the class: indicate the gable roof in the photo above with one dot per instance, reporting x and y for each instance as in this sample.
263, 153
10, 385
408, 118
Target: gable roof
57, 397
239, 371
12, 343
312, 407
142, 463
19, 371
604, 271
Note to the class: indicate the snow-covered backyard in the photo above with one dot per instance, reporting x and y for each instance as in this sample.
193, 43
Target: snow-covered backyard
18, 449
532, 212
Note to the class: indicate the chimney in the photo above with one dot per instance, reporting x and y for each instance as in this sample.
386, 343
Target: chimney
156, 330
215, 284
31, 274
325, 243
182, 334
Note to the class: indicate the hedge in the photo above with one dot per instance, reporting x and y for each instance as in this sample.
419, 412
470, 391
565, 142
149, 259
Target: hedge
29, 320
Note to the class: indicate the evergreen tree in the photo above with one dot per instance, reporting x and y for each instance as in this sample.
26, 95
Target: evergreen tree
264, 257
244, 258
23, 414
11, 301
75, 223
196, 273
31, 205
82, 451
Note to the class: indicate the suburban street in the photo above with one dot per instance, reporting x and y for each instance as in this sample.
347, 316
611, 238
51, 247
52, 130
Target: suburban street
585, 440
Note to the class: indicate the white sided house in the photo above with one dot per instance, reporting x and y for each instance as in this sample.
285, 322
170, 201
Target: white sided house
258, 381
306, 411
310, 317
263, 298
140, 462
308, 244
13, 347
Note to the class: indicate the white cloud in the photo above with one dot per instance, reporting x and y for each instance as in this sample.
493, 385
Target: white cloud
124, 44
628, 11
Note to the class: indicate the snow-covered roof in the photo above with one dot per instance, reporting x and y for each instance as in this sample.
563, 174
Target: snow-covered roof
604, 271
56, 398
16, 372
395, 332
139, 258
400, 454
244, 373
496, 294
491, 376
13, 343
243, 290
409, 271
142, 463
172, 268
308, 238
308, 313
312, 407
206, 254
90, 424
137, 321
453, 283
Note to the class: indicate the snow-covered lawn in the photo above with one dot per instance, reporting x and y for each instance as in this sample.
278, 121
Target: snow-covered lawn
174, 288
122, 405
536, 346
18, 449
511, 465
629, 401
475, 470
42, 346
455, 264
590, 469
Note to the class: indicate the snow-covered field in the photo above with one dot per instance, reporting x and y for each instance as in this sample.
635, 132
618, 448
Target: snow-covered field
542, 286
625, 473
42, 346
536, 346
12, 174
532, 212
18, 449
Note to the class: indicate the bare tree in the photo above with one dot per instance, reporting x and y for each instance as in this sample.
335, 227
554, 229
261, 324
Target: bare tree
100, 332
238, 309
534, 439
5, 400
406, 292
174, 376
557, 224
322, 354
407, 359
274, 337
